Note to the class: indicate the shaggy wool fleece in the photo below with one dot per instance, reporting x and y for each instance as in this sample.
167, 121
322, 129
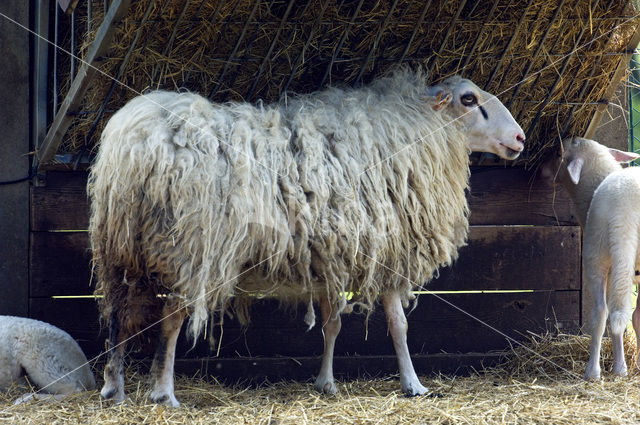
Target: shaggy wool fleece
346, 190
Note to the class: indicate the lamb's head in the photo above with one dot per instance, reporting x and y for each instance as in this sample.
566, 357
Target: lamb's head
580, 165
488, 123
578, 157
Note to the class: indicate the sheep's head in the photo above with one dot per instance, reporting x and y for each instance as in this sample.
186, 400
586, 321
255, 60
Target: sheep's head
577, 155
488, 123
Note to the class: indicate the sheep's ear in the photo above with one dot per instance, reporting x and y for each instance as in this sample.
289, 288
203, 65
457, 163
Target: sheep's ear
622, 156
443, 96
443, 99
575, 169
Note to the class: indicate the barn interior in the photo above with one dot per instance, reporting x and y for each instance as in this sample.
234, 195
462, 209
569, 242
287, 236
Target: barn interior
557, 66
514, 298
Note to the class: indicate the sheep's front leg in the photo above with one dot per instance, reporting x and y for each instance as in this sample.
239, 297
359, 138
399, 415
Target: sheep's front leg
596, 280
113, 387
398, 327
163, 361
331, 324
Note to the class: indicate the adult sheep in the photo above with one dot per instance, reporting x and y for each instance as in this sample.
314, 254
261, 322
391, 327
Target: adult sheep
606, 200
358, 190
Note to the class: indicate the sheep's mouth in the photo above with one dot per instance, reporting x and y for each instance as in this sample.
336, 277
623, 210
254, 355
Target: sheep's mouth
510, 153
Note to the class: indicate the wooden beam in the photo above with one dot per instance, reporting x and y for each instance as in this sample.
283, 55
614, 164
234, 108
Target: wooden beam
16, 63
615, 81
72, 101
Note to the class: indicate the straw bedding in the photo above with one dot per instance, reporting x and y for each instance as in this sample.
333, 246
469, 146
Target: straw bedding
525, 389
549, 62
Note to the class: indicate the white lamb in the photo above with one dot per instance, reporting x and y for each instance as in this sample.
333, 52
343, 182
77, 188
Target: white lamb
50, 358
606, 199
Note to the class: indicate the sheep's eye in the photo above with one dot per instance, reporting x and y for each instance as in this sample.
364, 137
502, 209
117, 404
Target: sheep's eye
468, 99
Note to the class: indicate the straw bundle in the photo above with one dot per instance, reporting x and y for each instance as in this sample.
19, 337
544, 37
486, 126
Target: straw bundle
549, 62
523, 390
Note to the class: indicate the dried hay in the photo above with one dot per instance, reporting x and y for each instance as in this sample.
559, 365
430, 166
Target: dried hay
525, 389
550, 64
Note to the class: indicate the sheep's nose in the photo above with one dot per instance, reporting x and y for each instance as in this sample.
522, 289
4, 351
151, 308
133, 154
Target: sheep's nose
520, 138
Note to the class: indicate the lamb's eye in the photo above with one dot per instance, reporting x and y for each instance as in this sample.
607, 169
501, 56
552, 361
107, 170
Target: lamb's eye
468, 99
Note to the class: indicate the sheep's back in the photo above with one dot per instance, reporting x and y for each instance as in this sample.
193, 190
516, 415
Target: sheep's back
614, 212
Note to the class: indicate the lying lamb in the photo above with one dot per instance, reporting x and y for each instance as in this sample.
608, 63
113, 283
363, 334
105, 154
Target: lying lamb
606, 200
358, 190
49, 357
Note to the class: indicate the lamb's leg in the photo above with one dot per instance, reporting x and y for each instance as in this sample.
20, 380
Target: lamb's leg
331, 324
397, 323
114, 370
596, 280
636, 327
622, 271
163, 361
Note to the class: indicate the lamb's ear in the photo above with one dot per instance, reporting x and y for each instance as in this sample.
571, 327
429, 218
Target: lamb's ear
622, 156
575, 169
442, 96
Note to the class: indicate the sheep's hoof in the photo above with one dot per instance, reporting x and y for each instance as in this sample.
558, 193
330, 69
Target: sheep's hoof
592, 373
620, 370
165, 399
414, 389
113, 393
328, 387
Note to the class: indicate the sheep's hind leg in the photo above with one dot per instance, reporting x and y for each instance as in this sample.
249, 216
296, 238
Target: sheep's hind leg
163, 361
398, 327
113, 387
597, 281
331, 324
622, 272
635, 320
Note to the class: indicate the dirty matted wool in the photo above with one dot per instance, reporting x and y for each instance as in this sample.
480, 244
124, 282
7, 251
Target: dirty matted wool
355, 190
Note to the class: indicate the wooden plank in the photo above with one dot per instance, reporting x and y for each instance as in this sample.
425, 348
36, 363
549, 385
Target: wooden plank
435, 326
62, 204
451, 323
516, 196
498, 196
59, 264
515, 257
497, 257
257, 370
78, 317
80, 84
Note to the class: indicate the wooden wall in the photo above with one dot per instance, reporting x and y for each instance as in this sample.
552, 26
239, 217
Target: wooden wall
520, 272
15, 44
